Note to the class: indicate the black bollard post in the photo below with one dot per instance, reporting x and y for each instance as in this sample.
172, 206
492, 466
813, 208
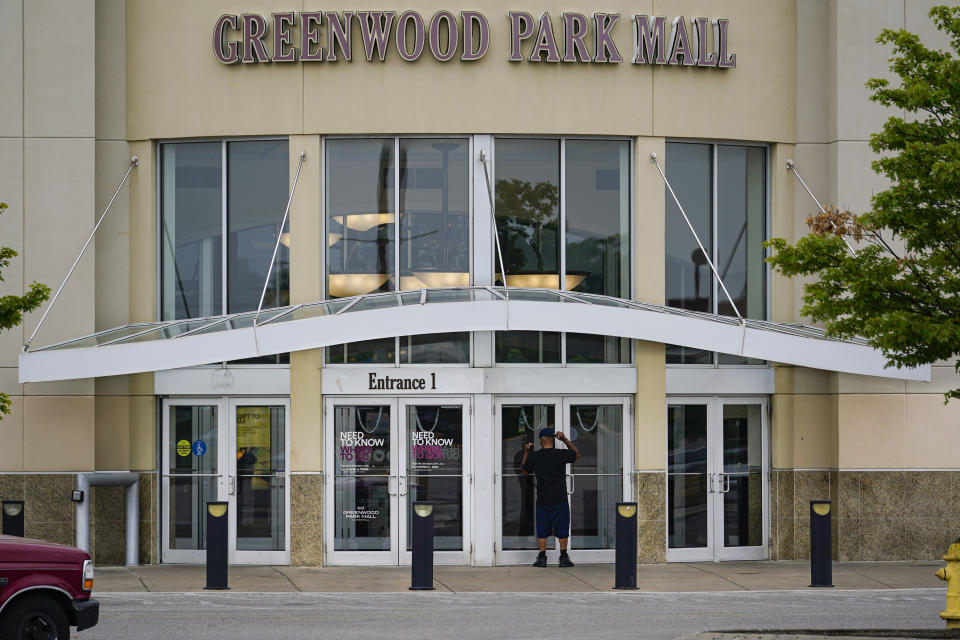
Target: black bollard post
821, 567
217, 546
12, 518
626, 554
421, 572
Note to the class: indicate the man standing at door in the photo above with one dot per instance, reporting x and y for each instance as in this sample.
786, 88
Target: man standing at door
549, 464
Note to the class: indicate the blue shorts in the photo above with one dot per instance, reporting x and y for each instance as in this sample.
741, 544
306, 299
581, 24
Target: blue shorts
555, 517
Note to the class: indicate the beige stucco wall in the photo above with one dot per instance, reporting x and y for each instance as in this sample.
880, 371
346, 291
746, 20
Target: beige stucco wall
456, 97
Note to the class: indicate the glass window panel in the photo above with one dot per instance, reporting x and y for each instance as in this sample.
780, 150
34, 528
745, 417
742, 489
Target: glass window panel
743, 468
361, 441
741, 212
261, 470
191, 483
257, 188
191, 243
528, 346
583, 348
689, 282
687, 476
527, 188
379, 351
597, 212
434, 213
436, 348
360, 216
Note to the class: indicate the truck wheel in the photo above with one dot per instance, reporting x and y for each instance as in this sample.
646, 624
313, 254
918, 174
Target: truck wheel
35, 618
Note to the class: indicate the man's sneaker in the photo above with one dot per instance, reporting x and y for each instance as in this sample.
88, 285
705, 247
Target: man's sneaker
565, 560
541, 560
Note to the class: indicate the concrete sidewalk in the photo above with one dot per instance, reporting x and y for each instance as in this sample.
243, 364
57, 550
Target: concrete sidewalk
681, 577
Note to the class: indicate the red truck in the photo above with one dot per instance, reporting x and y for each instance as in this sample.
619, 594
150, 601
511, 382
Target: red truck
44, 590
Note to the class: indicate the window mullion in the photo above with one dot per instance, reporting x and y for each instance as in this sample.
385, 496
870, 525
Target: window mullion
224, 245
714, 218
562, 284
396, 236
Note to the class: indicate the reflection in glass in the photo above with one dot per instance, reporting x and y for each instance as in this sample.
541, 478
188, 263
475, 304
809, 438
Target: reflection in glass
361, 453
597, 431
360, 216
257, 187
378, 351
192, 483
434, 213
527, 188
520, 425
261, 483
191, 243
584, 348
435, 470
743, 468
435, 348
741, 206
528, 346
689, 281
687, 476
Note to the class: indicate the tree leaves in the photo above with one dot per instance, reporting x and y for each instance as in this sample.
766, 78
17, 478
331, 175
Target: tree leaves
904, 301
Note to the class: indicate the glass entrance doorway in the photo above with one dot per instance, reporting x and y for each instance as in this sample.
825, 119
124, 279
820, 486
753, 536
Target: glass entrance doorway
231, 450
717, 470
382, 455
595, 483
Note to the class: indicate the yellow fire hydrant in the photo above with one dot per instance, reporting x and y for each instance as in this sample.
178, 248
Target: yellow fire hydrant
951, 574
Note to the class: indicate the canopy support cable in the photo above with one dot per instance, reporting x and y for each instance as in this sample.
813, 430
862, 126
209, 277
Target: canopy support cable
655, 162
276, 245
134, 161
493, 219
792, 167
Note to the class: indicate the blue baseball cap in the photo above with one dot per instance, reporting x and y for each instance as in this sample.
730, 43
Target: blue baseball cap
546, 432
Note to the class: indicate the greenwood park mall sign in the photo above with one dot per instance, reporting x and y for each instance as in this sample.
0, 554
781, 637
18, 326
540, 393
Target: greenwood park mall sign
318, 36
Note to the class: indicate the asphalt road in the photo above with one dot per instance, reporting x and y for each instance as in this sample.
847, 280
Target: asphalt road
513, 616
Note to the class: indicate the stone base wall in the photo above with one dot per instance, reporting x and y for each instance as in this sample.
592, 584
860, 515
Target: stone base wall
50, 515
877, 515
306, 519
650, 491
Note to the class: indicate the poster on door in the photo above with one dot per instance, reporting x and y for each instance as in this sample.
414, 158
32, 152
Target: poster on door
253, 445
435, 441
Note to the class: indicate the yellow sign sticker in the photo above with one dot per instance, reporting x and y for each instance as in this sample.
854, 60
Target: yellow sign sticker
183, 448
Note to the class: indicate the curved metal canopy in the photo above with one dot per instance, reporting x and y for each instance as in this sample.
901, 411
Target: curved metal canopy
147, 347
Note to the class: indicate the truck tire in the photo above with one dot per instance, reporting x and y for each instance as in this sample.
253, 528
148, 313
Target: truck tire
35, 618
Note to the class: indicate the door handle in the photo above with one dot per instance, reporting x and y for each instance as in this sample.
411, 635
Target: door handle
231, 485
726, 483
710, 488
391, 487
571, 485
403, 485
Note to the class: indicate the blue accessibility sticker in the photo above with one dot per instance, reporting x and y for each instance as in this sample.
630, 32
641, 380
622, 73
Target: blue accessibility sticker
199, 447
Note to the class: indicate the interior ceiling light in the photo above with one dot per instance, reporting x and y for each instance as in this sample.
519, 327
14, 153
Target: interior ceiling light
364, 221
344, 285
285, 239
543, 280
438, 279
333, 238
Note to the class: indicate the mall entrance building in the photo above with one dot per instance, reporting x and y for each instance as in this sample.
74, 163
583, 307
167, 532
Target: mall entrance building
363, 257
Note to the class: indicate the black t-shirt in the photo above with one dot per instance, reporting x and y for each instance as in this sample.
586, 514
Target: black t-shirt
550, 467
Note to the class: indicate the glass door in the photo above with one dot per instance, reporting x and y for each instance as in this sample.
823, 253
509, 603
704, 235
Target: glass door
258, 483
385, 455
599, 479
194, 473
362, 479
518, 422
436, 450
717, 479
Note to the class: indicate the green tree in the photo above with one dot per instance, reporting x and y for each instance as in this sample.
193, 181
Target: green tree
13, 307
900, 290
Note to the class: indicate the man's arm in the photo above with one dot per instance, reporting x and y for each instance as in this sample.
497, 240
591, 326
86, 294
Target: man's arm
563, 438
526, 452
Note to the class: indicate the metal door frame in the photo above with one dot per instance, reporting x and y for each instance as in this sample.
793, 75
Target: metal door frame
197, 556
715, 551
238, 556
561, 404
